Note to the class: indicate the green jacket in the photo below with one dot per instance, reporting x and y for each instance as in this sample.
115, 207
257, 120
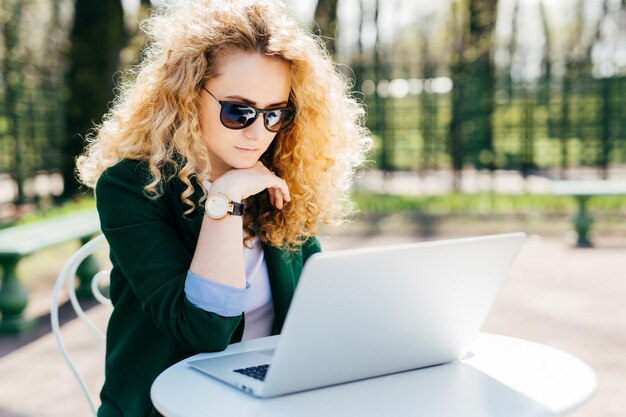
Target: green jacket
153, 325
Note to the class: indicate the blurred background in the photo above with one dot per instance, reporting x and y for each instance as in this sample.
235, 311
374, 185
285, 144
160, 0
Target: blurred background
476, 108
454, 89
528, 86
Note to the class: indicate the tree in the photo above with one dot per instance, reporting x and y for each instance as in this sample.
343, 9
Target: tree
472, 72
326, 19
428, 102
13, 77
98, 36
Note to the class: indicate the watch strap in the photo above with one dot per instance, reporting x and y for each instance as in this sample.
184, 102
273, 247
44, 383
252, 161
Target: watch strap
237, 209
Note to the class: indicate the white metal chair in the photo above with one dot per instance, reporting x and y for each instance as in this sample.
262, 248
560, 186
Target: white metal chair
68, 277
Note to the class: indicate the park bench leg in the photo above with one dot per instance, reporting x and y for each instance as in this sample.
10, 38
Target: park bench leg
582, 222
13, 299
85, 272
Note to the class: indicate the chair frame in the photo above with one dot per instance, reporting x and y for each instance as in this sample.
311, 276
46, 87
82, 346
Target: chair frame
68, 276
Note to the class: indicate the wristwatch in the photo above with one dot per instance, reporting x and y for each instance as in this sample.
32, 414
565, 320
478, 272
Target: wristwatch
218, 205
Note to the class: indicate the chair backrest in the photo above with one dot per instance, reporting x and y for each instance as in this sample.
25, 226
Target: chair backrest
67, 277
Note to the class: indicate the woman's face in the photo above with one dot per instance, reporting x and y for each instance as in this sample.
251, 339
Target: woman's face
249, 78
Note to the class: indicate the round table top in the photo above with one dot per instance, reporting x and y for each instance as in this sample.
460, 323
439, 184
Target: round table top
500, 376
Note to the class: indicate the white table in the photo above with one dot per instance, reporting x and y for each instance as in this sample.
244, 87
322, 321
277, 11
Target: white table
500, 377
582, 191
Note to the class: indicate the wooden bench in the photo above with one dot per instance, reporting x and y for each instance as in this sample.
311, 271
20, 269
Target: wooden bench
20, 241
583, 190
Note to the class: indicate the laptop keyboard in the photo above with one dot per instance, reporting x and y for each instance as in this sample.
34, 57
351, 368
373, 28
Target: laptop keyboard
257, 372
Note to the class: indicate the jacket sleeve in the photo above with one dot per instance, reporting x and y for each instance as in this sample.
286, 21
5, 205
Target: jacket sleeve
154, 260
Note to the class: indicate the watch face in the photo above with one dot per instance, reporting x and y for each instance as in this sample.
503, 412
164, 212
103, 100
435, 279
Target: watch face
216, 206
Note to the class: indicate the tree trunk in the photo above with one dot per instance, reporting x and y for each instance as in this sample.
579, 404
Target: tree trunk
566, 87
326, 20
480, 86
97, 38
53, 84
473, 76
605, 123
428, 103
456, 147
605, 110
527, 158
13, 76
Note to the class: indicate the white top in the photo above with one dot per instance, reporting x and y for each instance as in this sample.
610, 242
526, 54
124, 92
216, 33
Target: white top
500, 376
259, 311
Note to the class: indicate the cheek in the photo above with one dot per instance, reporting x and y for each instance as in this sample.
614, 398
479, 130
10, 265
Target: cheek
211, 128
209, 120
207, 116
204, 122
218, 138
208, 129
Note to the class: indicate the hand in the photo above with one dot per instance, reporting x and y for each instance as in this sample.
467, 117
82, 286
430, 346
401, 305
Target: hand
240, 184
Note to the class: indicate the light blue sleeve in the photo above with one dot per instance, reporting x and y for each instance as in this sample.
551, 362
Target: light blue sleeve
214, 297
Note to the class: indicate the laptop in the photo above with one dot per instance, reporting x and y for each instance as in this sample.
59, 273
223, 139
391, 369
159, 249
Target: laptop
362, 313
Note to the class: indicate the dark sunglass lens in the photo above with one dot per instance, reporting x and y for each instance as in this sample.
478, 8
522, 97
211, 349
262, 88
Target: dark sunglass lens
237, 116
277, 120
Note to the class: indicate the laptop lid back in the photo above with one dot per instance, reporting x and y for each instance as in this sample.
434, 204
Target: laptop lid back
374, 311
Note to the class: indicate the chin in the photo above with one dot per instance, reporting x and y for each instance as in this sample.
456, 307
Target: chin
244, 164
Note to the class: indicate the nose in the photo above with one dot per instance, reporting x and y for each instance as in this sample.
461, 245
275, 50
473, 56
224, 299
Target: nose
257, 130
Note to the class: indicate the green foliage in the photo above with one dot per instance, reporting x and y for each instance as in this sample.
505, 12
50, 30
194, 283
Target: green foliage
486, 204
67, 207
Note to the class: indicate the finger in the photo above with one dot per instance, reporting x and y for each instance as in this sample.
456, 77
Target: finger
284, 189
278, 198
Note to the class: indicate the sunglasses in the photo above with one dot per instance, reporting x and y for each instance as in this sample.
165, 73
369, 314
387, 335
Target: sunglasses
236, 115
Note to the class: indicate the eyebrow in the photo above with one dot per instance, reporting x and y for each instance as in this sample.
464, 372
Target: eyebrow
248, 101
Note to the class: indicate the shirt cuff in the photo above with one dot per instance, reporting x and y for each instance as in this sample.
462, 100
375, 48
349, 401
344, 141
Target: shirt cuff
214, 297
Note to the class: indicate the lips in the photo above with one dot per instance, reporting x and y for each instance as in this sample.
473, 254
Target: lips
246, 149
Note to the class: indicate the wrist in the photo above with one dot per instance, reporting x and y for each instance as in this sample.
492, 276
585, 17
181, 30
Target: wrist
219, 205
223, 186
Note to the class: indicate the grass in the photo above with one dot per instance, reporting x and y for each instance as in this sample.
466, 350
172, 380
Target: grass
485, 204
80, 203
482, 213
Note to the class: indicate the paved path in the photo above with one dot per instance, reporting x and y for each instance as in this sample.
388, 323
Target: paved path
571, 299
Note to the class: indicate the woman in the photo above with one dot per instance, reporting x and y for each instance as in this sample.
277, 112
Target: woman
212, 171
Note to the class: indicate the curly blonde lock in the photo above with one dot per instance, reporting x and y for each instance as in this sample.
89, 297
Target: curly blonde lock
155, 117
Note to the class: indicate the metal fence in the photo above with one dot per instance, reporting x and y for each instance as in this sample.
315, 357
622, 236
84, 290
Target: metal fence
536, 126
31, 136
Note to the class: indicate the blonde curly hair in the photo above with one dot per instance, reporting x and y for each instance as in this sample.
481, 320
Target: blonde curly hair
155, 116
